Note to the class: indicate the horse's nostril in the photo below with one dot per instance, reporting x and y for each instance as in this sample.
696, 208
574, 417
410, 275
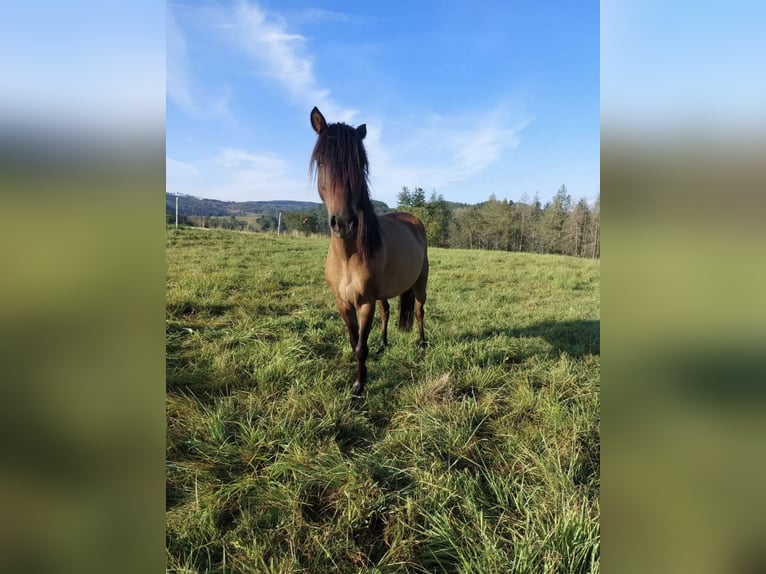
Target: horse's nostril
333, 222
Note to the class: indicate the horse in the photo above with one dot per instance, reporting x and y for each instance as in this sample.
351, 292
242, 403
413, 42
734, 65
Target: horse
371, 258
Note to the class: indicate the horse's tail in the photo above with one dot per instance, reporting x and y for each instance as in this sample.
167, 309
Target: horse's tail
406, 310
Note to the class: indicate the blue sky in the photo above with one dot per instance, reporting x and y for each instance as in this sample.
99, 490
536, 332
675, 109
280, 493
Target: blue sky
465, 98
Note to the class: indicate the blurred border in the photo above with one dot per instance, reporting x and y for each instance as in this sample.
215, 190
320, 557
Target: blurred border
81, 302
82, 174
683, 276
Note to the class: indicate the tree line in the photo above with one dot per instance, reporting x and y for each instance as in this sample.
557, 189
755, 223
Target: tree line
561, 226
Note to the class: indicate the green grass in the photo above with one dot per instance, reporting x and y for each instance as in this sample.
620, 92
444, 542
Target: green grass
480, 455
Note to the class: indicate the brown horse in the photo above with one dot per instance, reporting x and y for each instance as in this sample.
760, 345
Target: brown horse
370, 258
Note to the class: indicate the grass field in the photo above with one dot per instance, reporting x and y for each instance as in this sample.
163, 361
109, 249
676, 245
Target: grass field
480, 455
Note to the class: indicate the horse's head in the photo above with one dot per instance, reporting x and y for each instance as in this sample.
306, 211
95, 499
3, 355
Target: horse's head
339, 162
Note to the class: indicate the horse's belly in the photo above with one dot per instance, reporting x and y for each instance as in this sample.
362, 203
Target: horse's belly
394, 282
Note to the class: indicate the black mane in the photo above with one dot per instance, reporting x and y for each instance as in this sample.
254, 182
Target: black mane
339, 149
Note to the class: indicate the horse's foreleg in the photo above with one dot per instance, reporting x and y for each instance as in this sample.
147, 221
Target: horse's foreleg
349, 318
366, 314
384, 307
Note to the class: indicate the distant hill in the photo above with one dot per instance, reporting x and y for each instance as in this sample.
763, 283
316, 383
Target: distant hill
190, 205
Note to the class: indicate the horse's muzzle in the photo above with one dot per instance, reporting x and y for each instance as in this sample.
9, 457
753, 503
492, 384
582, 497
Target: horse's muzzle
341, 228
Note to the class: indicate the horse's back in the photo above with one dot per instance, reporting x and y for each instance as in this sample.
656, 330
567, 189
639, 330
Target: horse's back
391, 221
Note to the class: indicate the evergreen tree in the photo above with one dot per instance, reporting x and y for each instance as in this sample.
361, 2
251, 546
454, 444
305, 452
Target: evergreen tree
437, 219
575, 229
555, 214
418, 197
404, 199
594, 231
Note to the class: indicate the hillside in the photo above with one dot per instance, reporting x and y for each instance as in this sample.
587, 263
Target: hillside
190, 205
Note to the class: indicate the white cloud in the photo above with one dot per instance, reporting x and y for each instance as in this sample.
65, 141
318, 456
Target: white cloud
319, 15
277, 53
243, 175
236, 158
281, 56
177, 66
219, 106
440, 151
196, 99
175, 168
239, 175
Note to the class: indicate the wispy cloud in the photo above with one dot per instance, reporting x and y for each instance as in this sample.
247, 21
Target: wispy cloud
244, 175
220, 108
280, 55
440, 151
239, 175
179, 169
177, 66
319, 15
269, 163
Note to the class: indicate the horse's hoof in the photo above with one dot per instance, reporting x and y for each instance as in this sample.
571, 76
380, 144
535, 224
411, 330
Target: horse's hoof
380, 350
356, 391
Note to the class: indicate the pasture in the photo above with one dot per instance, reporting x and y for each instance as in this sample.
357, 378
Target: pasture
479, 455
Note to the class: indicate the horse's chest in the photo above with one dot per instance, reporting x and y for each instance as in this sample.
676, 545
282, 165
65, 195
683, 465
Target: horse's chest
348, 291
348, 286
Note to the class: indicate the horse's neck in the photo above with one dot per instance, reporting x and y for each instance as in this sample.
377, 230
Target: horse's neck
343, 249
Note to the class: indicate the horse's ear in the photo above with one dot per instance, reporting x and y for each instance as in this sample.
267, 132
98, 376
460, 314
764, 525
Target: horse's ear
317, 121
362, 131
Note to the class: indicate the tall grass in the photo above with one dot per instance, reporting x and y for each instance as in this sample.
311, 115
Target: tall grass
479, 455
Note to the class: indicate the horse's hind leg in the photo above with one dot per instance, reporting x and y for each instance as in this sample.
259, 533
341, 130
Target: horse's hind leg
384, 307
419, 315
419, 289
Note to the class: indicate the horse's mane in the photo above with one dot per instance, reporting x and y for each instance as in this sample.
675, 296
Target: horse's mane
340, 150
